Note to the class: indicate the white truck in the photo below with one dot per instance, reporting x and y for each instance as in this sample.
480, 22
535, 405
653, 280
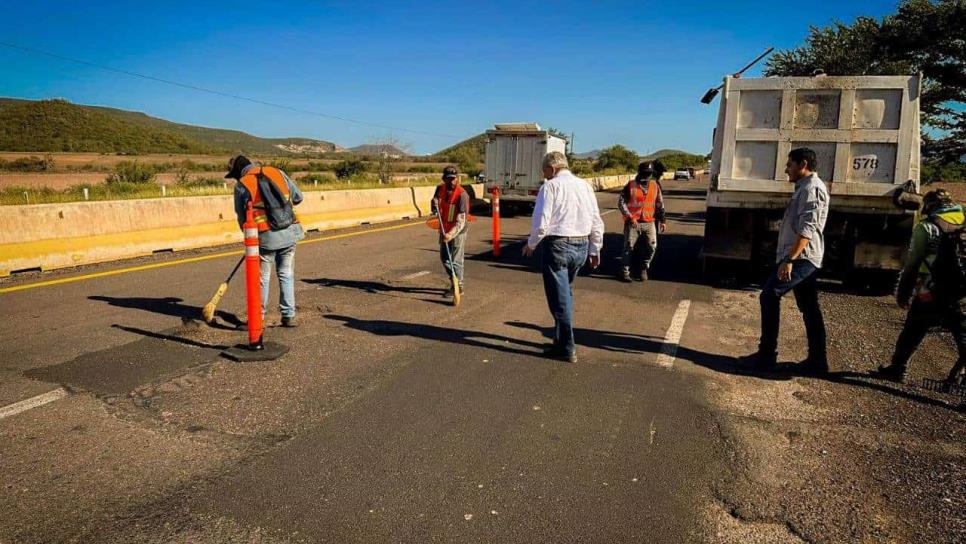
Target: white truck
865, 132
514, 155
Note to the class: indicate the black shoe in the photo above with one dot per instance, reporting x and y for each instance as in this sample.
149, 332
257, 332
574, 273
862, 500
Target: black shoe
625, 276
760, 361
637, 277
289, 322
893, 373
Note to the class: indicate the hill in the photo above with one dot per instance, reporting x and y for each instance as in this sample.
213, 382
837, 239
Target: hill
58, 125
663, 153
377, 149
592, 154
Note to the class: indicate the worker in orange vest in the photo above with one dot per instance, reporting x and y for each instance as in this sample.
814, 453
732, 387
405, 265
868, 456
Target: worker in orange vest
642, 205
453, 204
272, 195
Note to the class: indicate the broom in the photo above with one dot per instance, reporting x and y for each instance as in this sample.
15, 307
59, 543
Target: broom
208, 312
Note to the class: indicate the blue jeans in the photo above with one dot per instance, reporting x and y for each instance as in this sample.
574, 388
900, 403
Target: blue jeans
458, 252
284, 260
803, 284
562, 258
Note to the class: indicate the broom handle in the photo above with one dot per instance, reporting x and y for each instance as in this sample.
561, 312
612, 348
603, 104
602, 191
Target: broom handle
233, 270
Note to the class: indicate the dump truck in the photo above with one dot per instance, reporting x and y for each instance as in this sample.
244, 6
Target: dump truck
865, 133
514, 157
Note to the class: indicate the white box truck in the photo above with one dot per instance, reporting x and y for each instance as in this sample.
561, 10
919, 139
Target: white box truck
865, 133
514, 154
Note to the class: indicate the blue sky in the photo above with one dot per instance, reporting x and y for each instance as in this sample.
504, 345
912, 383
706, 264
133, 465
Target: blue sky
610, 72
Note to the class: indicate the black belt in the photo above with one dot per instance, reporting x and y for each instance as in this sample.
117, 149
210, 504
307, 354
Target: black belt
568, 238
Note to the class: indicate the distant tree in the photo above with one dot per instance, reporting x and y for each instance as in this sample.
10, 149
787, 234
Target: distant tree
389, 153
467, 161
349, 167
617, 156
922, 36
130, 172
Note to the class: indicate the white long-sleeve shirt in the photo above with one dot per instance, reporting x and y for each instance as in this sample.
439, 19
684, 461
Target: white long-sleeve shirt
567, 206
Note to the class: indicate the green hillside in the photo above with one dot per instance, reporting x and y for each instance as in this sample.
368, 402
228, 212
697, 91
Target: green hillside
58, 125
468, 154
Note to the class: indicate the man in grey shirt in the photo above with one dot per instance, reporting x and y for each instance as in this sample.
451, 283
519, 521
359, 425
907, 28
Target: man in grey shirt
801, 246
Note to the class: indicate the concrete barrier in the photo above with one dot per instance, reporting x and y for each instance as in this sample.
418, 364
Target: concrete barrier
50, 236
604, 183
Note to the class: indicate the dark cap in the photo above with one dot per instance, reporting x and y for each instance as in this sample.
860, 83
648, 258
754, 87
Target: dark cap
450, 172
236, 165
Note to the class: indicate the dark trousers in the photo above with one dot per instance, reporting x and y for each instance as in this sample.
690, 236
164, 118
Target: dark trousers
803, 284
923, 316
562, 258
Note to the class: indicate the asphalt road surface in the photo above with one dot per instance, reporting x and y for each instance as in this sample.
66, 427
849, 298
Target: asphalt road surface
398, 418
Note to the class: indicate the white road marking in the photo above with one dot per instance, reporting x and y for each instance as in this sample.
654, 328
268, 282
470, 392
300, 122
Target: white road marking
607, 212
32, 402
414, 275
670, 348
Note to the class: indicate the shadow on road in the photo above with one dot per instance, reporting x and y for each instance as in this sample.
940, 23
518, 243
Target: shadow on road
677, 259
375, 286
479, 339
857, 379
169, 337
171, 306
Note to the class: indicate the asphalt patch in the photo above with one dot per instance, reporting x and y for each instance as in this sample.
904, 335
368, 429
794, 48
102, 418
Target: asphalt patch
120, 369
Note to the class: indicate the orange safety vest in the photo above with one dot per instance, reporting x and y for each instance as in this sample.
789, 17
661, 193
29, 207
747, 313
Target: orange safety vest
641, 206
449, 205
250, 181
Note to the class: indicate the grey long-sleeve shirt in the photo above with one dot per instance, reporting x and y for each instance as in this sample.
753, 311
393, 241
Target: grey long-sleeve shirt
805, 216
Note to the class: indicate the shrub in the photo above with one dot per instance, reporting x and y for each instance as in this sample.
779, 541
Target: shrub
188, 181
28, 164
313, 177
281, 163
350, 168
130, 172
617, 156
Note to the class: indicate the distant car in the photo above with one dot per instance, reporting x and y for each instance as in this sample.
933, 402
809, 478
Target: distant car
682, 174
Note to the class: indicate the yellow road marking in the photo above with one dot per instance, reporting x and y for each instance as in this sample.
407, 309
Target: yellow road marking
152, 266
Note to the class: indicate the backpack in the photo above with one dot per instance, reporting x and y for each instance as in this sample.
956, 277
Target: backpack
948, 270
278, 206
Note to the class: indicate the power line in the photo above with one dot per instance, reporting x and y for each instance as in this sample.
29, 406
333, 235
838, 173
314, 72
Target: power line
217, 93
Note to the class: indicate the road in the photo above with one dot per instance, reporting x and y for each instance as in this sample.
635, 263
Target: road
396, 417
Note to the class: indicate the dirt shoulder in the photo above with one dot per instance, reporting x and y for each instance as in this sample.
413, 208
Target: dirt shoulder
845, 459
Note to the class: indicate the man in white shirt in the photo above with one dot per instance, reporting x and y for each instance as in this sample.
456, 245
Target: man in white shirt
567, 220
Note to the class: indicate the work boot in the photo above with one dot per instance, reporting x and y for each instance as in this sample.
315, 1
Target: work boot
642, 276
554, 351
813, 367
891, 372
760, 361
625, 276
289, 322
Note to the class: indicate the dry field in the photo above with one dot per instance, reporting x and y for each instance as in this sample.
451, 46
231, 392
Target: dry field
72, 169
